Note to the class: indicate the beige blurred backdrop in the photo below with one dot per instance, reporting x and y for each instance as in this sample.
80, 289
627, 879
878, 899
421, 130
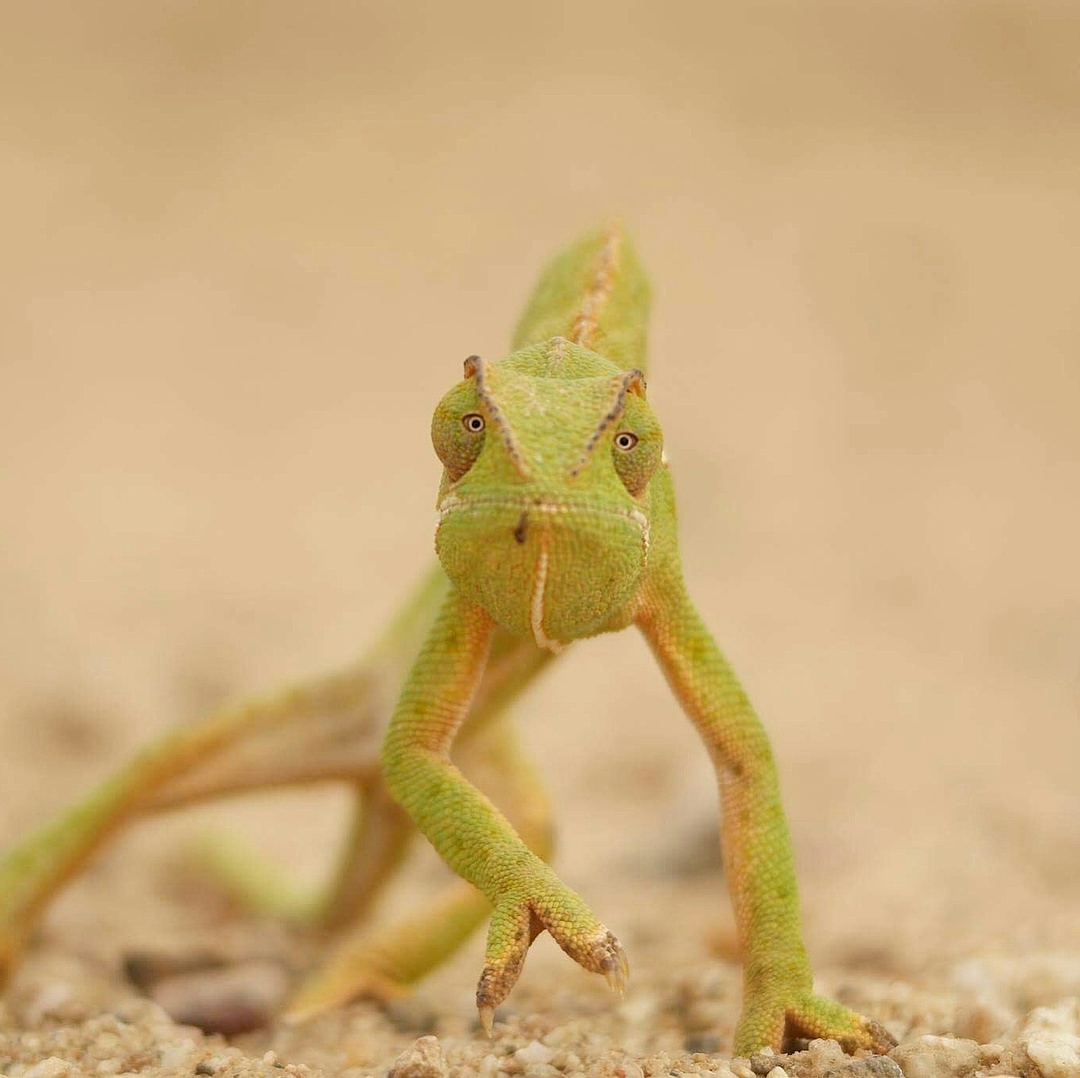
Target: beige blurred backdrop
247, 245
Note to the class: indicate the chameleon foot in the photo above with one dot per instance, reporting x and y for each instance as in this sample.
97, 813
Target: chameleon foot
772, 1020
384, 963
336, 985
519, 919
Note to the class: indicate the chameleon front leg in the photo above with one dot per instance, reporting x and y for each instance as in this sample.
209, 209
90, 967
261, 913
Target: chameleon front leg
385, 961
778, 1000
470, 833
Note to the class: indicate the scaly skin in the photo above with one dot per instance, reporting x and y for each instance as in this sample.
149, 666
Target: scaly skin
557, 522
557, 519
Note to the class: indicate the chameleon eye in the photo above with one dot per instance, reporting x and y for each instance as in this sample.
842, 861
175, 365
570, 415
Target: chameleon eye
636, 446
457, 430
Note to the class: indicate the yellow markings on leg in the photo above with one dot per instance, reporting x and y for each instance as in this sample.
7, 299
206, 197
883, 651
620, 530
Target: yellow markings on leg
778, 1000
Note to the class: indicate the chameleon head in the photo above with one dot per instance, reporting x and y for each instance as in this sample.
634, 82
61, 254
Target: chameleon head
544, 504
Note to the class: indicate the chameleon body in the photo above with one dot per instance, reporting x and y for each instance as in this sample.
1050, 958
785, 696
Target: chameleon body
556, 522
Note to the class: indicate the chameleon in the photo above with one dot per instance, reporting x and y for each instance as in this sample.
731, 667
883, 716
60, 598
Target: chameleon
556, 522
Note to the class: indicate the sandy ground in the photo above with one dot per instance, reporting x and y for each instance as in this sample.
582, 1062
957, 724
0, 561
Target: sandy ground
245, 250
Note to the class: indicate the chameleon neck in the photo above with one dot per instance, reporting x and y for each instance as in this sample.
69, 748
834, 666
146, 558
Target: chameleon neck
594, 294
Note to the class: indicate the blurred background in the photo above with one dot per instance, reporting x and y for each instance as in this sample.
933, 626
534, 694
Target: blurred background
246, 247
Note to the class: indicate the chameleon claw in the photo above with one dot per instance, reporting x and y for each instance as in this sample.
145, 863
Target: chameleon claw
617, 969
773, 1020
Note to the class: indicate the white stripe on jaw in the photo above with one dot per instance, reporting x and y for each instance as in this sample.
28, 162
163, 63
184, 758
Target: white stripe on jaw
536, 609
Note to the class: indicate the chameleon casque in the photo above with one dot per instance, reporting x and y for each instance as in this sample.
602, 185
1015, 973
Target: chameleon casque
556, 521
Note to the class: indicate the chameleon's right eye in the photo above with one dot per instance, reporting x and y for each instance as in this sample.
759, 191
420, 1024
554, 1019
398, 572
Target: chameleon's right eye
458, 430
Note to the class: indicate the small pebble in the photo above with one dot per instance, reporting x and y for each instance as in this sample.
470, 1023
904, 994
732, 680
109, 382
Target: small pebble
761, 1063
937, 1057
1051, 1038
53, 1067
228, 1000
422, 1059
534, 1052
1056, 1054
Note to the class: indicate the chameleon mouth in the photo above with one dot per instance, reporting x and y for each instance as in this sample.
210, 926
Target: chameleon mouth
453, 504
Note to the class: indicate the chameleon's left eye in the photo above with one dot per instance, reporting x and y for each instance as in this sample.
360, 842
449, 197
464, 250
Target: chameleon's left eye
637, 446
473, 422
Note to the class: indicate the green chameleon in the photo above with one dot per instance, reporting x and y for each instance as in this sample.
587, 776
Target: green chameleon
556, 522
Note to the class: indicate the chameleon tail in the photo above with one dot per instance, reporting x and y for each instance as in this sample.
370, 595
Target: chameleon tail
593, 293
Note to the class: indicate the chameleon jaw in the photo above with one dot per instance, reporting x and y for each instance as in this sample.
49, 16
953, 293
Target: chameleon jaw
554, 570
